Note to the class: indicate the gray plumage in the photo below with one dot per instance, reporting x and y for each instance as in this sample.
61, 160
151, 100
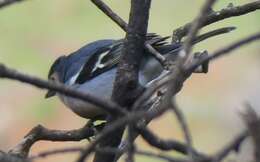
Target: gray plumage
69, 68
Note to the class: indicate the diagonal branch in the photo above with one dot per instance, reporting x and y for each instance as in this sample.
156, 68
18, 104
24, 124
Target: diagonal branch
131, 117
194, 29
213, 17
5, 3
234, 145
109, 12
106, 105
5, 157
185, 128
123, 25
106, 133
41, 133
155, 141
225, 50
252, 121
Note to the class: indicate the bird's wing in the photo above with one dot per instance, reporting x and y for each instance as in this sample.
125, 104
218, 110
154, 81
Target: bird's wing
108, 57
101, 61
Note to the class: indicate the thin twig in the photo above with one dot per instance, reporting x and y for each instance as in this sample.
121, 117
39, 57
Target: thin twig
156, 54
106, 131
55, 152
6, 157
132, 117
109, 12
213, 33
5, 3
154, 109
41, 133
195, 27
160, 156
234, 145
71, 150
123, 25
213, 17
131, 145
225, 50
252, 121
157, 142
48, 153
185, 128
106, 105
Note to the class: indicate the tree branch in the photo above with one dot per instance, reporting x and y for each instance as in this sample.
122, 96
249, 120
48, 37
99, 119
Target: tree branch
106, 132
225, 50
194, 29
56, 151
126, 85
5, 3
109, 12
184, 126
132, 117
213, 17
106, 105
123, 25
4, 157
41, 133
252, 121
234, 145
160, 156
155, 141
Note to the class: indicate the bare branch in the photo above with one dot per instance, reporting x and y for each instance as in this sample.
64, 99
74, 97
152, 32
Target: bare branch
126, 82
213, 33
111, 150
225, 50
109, 12
72, 150
155, 141
185, 128
131, 145
194, 29
160, 156
253, 123
126, 85
156, 54
153, 109
56, 151
106, 132
131, 117
234, 145
41, 133
213, 17
4, 157
5, 3
120, 22
106, 105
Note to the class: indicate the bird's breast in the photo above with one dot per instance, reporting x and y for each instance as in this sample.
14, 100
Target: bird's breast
100, 87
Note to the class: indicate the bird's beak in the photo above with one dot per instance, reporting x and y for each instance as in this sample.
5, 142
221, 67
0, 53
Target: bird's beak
50, 93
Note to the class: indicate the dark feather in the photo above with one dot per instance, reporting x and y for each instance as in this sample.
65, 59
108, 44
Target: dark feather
91, 69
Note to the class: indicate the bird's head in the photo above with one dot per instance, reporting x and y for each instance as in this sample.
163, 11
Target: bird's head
56, 74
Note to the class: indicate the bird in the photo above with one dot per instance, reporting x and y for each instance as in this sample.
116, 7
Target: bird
92, 69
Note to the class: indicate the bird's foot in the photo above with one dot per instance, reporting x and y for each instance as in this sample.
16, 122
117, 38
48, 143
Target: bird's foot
97, 125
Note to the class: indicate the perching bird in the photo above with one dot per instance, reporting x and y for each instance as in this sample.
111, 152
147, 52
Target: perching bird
92, 69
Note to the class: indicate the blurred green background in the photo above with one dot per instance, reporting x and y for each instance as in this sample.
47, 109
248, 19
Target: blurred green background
34, 33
